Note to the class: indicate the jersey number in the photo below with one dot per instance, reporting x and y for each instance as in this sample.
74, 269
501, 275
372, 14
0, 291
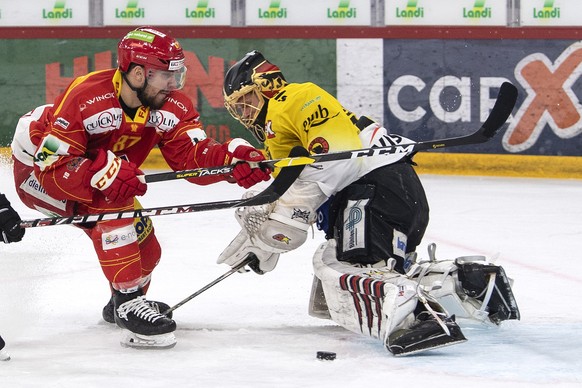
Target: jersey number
124, 142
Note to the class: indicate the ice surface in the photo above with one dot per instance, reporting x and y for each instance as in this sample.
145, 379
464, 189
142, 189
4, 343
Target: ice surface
254, 331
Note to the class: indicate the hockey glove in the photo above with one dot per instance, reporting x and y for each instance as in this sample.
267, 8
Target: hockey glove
283, 227
241, 248
115, 178
272, 229
9, 222
241, 152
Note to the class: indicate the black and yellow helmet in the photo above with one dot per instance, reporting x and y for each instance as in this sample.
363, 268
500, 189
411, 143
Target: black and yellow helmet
248, 85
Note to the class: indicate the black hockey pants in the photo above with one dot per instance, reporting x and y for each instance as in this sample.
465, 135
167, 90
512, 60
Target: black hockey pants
382, 215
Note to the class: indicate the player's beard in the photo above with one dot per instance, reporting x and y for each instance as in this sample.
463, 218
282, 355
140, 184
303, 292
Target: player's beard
149, 99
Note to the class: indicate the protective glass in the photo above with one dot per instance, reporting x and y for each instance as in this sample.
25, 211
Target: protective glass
167, 80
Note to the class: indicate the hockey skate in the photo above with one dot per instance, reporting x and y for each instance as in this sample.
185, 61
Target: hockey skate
108, 316
427, 332
146, 327
4, 356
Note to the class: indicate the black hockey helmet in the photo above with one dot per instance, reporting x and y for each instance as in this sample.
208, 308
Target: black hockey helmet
248, 85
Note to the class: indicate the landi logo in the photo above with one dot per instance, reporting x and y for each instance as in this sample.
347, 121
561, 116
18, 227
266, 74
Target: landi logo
479, 11
131, 11
274, 11
550, 99
343, 11
411, 11
201, 11
547, 12
58, 12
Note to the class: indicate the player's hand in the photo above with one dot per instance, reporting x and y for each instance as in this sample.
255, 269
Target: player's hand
115, 178
9, 222
242, 152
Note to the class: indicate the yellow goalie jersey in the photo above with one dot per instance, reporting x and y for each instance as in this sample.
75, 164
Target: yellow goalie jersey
306, 115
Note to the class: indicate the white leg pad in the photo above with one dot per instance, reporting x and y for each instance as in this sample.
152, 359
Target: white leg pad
369, 301
440, 279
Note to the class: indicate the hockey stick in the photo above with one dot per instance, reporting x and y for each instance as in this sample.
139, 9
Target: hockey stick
279, 185
234, 269
499, 113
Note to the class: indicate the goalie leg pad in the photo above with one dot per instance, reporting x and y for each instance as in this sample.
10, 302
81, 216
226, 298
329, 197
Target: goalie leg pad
362, 300
469, 287
382, 304
489, 284
317, 303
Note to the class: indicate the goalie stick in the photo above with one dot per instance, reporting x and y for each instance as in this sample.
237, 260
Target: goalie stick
277, 188
499, 113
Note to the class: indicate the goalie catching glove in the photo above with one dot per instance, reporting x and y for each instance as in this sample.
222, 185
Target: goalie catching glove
272, 229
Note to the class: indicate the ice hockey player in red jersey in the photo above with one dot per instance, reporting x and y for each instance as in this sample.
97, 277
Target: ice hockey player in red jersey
82, 155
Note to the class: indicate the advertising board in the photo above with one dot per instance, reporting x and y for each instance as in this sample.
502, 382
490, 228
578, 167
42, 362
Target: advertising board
174, 12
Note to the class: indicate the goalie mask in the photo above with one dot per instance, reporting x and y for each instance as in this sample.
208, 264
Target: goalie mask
159, 54
248, 85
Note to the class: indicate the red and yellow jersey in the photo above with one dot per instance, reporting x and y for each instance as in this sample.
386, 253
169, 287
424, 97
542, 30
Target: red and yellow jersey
64, 137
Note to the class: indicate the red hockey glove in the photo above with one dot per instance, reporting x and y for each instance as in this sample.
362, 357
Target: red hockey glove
115, 177
10, 230
241, 151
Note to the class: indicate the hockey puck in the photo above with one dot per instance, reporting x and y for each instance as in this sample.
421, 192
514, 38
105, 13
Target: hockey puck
328, 356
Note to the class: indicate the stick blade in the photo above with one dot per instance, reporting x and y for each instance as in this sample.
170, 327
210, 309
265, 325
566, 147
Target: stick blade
501, 110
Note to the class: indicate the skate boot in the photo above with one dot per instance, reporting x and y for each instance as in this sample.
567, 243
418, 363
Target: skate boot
146, 328
431, 329
4, 356
108, 316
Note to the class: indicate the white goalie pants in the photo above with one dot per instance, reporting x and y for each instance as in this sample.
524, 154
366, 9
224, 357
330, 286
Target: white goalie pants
369, 301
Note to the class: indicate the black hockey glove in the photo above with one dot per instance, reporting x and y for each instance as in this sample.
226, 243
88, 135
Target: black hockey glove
9, 222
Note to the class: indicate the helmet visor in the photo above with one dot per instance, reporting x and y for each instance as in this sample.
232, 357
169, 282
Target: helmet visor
167, 80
